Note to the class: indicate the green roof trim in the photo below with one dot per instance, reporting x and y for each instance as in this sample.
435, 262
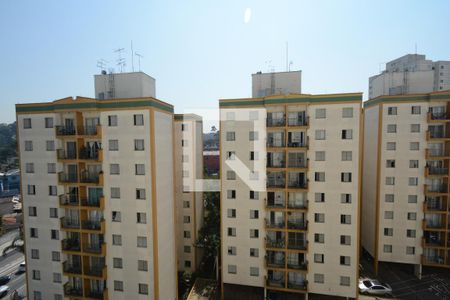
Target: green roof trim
95, 105
306, 99
406, 98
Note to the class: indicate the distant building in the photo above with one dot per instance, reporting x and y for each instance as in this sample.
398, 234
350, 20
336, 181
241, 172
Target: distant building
276, 83
10, 182
410, 74
211, 161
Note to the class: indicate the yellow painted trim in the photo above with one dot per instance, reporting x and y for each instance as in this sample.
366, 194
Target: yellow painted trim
378, 186
175, 221
360, 188
221, 209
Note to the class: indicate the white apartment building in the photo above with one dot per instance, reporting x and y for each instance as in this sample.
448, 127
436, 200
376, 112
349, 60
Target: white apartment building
188, 193
410, 74
276, 83
405, 204
98, 194
290, 195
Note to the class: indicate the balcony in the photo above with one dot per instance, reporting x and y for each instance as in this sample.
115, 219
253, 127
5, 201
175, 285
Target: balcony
67, 223
436, 154
275, 259
65, 131
98, 203
298, 119
275, 243
271, 203
436, 171
64, 177
436, 189
297, 224
300, 285
279, 182
434, 205
93, 225
437, 135
276, 164
91, 154
62, 154
95, 271
298, 163
297, 244
94, 295
303, 144
434, 224
71, 245
99, 249
438, 117
433, 260
71, 291
295, 184
71, 269
297, 204
433, 239
87, 177
274, 224
89, 131
298, 265
276, 279
68, 200
275, 122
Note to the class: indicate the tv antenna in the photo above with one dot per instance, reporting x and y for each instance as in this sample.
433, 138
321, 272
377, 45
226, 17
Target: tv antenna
139, 59
120, 61
101, 64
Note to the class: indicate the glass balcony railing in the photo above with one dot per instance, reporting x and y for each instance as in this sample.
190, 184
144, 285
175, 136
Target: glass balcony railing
275, 243
71, 268
68, 223
67, 177
297, 244
73, 291
92, 224
70, 245
275, 223
297, 224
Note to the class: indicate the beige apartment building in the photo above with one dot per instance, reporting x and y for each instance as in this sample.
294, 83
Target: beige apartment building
405, 204
188, 193
290, 195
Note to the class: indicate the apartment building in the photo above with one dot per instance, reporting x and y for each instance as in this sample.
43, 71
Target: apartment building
98, 194
290, 195
411, 74
405, 188
276, 83
188, 194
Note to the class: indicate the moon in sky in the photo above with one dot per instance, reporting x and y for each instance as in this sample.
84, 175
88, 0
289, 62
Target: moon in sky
247, 15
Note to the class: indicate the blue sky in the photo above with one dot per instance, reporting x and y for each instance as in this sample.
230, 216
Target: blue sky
200, 51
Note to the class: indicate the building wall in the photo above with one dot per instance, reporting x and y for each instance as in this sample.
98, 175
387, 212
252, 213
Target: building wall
398, 83
126, 85
276, 83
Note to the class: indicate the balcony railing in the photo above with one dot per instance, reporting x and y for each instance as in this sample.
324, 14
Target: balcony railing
303, 265
297, 184
71, 268
280, 183
439, 188
92, 225
67, 177
298, 205
437, 171
275, 144
297, 144
297, 244
88, 130
90, 154
438, 135
274, 224
275, 243
72, 291
438, 116
63, 154
298, 225
91, 294
434, 260
298, 163
80, 130
298, 285
70, 245
275, 282
65, 130
275, 263
273, 204
272, 164
70, 223
434, 205
430, 153
87, 177
297, 121
68, 199
276, 122
93, 202
94, 248
95, 271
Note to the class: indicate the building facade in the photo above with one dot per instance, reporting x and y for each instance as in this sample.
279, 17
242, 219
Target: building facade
98, 194
276, 83
189, 196
410, 74
405, 189
290, 194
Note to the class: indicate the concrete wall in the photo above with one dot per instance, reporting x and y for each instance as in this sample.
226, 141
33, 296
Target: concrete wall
126, 85
276, 83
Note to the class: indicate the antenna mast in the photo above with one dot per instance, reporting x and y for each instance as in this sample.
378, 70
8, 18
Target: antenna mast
132, 56
139, 59
120, 61
101, 64
287, 56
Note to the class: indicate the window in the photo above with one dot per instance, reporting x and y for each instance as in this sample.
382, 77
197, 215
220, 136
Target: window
347, 112
114, 169
139, 145
414, 146
116, 216
254, 271
346, 155
139, 169
117, 263
321, 113
253, 135
411, 233
53, 212
140, 194
54, 234
346, 198
320, 134
52, 190
231, 155
28, 145
26, 123
254, 195
112, 120
51, 168
254, 252
319, 218
31, 189
254, 155
118, 285
231, 194
390, 163
113, 145
391, 128
231, 136
34, 233
187, 263
319, 197
231, 250
184, 127
230, 116
318, 258
50, 145
392, 110
232, 269
412, 198
345, 281
29, 168
142, 242
186, 219
187, 249
138, 120
347, 134
412, 216
390, 180
57, 277
320, 155
346, 219
254, 233
390, 146
346, 177
319, 176
413, 164
387, 248
48, 122
389, 215
141, 218
184, 143
410, 250
345, 260
186, 204
413, 181
319, 278
388, 231
115, 192
117, 239
346, 240
415, 110
254, 214
231, 175
231, 231
187, 234
36, 275
142, 265
319, 238
143, 289
415, 128
37, 295
389, 198
56, 256
32, 212
34, 253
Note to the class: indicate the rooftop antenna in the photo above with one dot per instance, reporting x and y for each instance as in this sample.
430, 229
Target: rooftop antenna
101, 64
287, 56
120, 61
132, 56
290, 64
139, 59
